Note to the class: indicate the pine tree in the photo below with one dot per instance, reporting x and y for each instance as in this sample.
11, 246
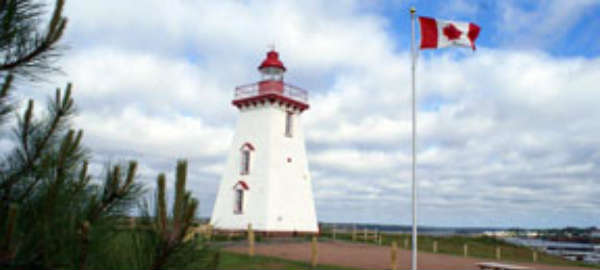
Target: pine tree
51, 214
27, 52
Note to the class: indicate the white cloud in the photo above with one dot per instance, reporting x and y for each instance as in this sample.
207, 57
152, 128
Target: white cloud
500, 131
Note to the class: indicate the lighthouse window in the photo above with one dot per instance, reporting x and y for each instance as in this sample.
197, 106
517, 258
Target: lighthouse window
239, 201
288, 124
245, 161
245, 152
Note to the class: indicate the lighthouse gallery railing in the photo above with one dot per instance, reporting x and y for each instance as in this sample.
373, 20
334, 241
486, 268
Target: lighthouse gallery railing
255, 89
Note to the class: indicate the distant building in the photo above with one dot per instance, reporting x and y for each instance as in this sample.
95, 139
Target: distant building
266, 181
498, 233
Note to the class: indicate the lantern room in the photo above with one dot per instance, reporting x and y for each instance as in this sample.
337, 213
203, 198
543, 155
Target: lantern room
272, 68
271, 88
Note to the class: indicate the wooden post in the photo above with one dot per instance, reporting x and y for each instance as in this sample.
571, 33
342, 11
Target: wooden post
209, 232
466, 250
394, 255
131, 223
365, 234
333, 232
379, 240
250, 240
498, 253
406, 243
376, 238
534, 254
434, 246
354, 233
315, 252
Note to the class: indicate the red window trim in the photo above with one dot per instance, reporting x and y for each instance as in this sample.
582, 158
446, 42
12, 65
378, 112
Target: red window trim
247, 145
242, 184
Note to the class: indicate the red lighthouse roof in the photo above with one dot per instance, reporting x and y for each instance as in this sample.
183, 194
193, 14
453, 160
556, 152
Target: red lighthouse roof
272, 60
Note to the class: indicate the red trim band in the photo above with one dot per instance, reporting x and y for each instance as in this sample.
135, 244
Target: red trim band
269, 97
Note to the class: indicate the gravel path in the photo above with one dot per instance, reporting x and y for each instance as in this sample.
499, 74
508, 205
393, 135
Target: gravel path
370, 256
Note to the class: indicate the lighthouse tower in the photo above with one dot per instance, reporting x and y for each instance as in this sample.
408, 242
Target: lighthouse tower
266, 181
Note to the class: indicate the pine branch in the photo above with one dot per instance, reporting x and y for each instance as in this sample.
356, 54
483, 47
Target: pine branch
83, 179
84, 243
114, 192
178, 210
184, 210
7, 252
162, 206
26, 49
130, 177
62, 108
189, 217
26, 124
5, 107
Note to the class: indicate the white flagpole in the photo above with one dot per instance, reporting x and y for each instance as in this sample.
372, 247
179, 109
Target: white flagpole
414, 137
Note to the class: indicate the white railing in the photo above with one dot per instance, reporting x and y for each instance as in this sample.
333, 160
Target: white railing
290, 91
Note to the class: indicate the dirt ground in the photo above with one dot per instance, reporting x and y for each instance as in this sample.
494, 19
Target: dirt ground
371, 257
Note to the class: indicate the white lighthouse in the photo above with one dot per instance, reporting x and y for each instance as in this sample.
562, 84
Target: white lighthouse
266, 181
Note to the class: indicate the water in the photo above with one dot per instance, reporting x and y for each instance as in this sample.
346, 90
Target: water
423, 230
569, 250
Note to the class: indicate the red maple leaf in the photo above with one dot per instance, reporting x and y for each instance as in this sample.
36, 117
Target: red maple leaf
451, 32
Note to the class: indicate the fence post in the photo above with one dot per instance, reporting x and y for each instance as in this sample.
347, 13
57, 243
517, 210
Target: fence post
210, 232
394, 255
498, 253
354, 233
534, 256
315, 252
466, 250
379, 240
333, 232
365, 234
132, 223
435, 247
406, 243
250, 240
376, 238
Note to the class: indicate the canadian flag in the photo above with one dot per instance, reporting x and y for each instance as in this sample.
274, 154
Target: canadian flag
439, 33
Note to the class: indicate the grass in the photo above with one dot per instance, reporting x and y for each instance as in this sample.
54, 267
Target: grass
230, 260
124, 253
123, 244
478, 247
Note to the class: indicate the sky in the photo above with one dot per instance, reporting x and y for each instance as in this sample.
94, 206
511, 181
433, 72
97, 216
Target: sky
508, 135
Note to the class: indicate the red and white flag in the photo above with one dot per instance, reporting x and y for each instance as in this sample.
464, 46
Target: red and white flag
439, 33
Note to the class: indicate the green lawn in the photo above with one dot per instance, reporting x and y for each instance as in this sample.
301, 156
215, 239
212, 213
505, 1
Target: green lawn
230, 260
478, 247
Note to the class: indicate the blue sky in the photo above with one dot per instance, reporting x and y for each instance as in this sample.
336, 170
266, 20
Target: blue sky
574, 37
508, 135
